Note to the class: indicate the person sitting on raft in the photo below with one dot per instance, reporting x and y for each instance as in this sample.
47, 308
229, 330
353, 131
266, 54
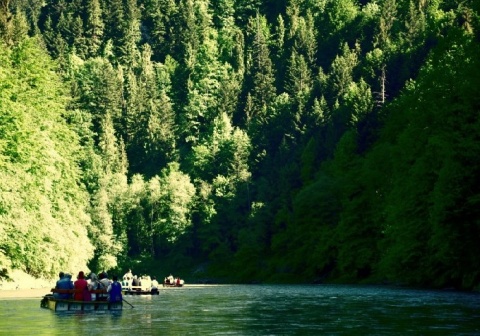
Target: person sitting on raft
81, 288
103, 283
115, 290
65, 282
94, 284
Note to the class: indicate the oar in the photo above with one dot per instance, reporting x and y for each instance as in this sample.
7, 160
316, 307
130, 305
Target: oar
128, 303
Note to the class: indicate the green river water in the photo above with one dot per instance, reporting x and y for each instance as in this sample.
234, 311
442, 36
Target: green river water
260, 310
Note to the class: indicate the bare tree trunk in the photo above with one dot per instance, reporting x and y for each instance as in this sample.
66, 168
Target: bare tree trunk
383, 82
381, 96
152, 240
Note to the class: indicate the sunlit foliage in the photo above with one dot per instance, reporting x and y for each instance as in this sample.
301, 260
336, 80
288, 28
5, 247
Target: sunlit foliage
328, 140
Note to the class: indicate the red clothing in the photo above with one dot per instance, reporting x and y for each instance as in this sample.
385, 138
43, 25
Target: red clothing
79, 286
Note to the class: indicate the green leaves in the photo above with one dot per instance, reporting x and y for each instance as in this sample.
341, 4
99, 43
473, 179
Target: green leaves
43, 205
204, 127
175, 202
224, 153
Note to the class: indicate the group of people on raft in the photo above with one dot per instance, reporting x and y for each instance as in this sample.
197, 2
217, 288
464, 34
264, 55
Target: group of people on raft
139, 283
83, 287
171, 281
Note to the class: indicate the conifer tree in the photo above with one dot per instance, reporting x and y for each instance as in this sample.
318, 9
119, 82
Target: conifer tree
94, 27
123, 29
299, 82
20, 27
302, 33
129, 53
78, 39
131, 110
260, 70
5, 21
111, 182
152, 119
279, 50
158, 16
383, 41
246, 10
98, 89
230, 37
341, 74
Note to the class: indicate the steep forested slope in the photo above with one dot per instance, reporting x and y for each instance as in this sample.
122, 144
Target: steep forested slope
242, 140
44, 207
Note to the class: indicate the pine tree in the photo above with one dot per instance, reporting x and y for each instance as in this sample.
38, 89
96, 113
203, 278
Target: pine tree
158, 16
299, 81
20, 27
129, 53
98, 89
383, 41
94, 27
341, 73
260, 70
246, 10
302, 34
5, 21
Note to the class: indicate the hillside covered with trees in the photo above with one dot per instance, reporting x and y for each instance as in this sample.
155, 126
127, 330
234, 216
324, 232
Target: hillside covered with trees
242, 140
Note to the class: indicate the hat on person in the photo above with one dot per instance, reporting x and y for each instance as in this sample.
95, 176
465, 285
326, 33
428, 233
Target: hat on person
81, 275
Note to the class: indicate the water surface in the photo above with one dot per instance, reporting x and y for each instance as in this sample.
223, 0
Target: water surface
260, 310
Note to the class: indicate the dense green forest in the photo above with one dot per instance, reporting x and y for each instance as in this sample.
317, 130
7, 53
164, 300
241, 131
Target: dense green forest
300, 141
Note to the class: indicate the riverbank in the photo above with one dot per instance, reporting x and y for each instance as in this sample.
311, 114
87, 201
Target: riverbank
23, 293
21, 284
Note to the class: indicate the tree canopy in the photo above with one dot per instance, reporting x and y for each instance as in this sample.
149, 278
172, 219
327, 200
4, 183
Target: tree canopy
281, 141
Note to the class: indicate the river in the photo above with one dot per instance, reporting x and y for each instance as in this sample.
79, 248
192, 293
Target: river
260, 310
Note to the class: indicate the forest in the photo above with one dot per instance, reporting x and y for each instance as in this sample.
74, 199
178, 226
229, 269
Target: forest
242, 141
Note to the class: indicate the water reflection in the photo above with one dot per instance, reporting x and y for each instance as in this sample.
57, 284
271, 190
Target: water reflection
260, 310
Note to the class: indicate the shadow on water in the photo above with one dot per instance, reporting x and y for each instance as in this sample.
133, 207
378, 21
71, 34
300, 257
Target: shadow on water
261, 310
